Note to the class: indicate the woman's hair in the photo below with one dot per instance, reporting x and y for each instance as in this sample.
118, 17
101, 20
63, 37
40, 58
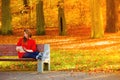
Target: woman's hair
29, 33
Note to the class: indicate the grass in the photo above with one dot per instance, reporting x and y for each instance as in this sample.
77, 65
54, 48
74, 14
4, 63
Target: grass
82, 60
91, 60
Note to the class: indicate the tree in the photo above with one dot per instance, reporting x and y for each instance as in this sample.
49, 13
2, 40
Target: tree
118, 14
97, 30
111, 20
6, 27
61, 18
40, 18
26, 3
27, 12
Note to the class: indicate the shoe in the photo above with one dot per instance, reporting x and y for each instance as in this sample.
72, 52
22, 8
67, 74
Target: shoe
39, 56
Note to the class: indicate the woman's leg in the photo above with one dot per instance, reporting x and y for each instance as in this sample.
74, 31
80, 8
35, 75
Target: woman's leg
30, 55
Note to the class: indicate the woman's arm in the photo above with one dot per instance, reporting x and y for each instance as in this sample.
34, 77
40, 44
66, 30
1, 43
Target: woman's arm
28, 50
20, 49
19, 45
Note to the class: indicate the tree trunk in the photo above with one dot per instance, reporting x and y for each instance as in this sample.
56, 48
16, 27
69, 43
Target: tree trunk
97, 30
40, 18
61, 18
26, 3
111, 23
6, 27
118, 14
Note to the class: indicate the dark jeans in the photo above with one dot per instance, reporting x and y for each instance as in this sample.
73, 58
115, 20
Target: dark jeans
30, 55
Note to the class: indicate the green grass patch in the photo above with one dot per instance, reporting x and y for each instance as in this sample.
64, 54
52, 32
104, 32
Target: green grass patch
83, 60
86, 60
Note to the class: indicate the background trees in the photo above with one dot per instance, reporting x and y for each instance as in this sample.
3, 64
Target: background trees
40, 18
112, 14
44, 14
97, 30
6, 27
61, 18
111, 21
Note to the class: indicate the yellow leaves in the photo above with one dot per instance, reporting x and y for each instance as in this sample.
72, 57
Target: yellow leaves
8, 39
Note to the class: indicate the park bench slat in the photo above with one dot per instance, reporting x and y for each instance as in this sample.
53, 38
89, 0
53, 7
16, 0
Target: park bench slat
8, 50
16, 59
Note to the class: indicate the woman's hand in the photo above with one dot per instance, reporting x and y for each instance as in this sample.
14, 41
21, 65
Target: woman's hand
24, 49
17, 49
27, 50
20, 49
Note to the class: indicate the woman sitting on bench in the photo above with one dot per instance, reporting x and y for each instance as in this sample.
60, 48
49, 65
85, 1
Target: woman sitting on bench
26, 46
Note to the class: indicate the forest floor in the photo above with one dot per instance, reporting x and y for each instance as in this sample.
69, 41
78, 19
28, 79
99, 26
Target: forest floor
76, 39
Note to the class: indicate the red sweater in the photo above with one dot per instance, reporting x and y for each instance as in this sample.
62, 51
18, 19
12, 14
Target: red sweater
30, 45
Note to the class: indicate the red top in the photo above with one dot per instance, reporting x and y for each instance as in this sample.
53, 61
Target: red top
30, 45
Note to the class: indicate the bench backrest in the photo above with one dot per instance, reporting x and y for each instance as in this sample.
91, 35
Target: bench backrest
10, 49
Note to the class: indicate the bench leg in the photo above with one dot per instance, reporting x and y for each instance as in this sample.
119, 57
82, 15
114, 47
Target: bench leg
49, 66
40, 66
46, 66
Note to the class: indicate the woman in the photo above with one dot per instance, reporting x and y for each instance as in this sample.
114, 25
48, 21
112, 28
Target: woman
26, 46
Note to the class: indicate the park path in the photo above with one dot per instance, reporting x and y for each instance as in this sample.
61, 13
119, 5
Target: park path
59, 75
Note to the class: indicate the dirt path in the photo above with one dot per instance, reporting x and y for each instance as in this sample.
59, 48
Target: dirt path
58, 76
